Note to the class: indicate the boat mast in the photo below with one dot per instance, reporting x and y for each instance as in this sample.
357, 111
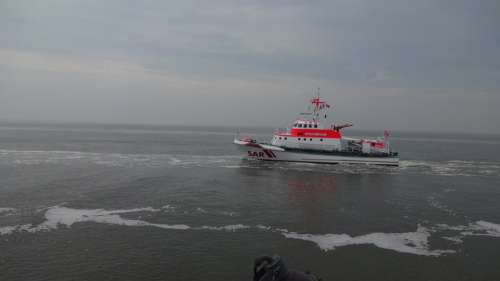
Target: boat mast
318, 106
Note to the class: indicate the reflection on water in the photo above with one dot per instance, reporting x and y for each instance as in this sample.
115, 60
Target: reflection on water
311, 194
320, 200
311, 188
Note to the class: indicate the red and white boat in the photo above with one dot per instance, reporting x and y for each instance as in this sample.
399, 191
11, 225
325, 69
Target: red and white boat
310, 140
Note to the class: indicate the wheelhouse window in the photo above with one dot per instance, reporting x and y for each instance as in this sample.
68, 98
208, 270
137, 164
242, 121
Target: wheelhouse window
300, 125
315, 125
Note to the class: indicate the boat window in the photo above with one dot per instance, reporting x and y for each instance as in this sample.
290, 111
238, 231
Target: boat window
280, 137
298, 139
315, 126
310, 125
285, 138
300, 125
320, 139
310, 139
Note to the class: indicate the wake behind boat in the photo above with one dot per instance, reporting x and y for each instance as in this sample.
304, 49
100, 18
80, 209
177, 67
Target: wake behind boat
309, 140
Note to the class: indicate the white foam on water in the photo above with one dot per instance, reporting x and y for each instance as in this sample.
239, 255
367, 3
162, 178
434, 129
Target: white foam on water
7, 210
205, 160
236, 166
440, 206
15, 228
7, 229
490, 229
409, 242
442, 226
61, 216
201, 210
175, 161
168, 208
451, 167
66, 216
37, 157
228, 213
478, 228
135, 210
416, 242
263, 227
233, 227
489, 225
456, 240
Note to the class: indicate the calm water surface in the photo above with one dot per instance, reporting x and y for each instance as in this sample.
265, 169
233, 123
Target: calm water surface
169, 203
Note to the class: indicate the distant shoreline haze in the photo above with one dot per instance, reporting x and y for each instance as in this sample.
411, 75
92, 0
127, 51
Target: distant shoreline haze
229, 128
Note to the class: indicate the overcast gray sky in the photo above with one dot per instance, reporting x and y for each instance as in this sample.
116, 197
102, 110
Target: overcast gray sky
397, 64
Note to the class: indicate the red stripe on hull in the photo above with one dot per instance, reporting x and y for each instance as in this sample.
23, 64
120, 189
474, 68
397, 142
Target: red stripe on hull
268, 153
312, 133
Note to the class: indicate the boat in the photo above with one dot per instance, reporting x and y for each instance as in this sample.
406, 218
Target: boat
312, 139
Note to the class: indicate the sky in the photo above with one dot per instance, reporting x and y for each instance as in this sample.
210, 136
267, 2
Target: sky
424, 65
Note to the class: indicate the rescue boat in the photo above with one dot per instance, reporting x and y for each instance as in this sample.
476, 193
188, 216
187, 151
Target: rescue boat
310, 140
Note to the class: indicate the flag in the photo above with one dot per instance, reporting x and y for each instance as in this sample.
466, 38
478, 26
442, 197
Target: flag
386, 133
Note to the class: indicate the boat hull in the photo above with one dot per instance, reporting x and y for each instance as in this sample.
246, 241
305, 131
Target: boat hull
258, 151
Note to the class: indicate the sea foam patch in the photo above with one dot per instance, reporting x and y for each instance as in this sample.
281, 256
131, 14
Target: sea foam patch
478, 228
6, 210
491, 229
451, 168
58, 216
409, 242
38, 157
416, 242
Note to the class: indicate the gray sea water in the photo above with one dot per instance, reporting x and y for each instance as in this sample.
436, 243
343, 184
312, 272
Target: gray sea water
87, 202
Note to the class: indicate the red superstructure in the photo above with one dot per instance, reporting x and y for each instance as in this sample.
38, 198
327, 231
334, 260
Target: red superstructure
310, 131
316, 133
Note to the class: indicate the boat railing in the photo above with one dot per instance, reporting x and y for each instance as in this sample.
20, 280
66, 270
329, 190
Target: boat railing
249, 137
281, 130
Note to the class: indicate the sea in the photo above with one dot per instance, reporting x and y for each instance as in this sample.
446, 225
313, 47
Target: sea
133, 202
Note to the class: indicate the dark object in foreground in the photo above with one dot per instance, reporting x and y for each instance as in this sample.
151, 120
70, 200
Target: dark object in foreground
268, 268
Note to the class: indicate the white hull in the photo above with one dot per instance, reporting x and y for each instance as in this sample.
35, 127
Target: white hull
267, 152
